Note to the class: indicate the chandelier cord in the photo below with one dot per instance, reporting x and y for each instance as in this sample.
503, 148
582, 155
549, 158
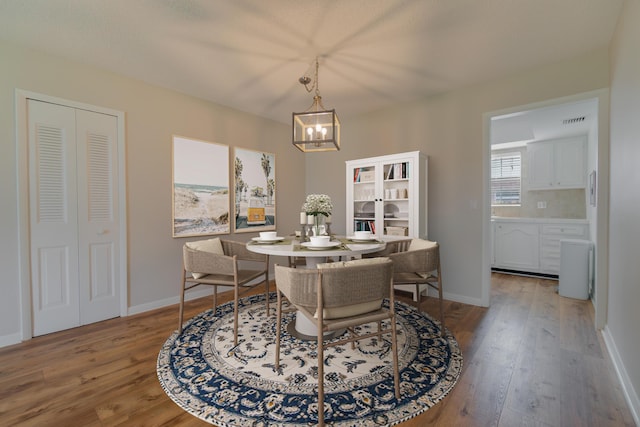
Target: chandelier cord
305, 80
317, 84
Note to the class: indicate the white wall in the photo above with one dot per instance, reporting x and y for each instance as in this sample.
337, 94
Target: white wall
449, 128
622, 332
153, 115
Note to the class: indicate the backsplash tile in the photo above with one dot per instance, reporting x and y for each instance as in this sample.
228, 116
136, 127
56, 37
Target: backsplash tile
569, 204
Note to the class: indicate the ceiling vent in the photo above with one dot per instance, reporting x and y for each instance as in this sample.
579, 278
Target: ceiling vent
573, 121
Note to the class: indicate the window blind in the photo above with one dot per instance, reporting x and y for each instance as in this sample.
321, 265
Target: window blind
505, 179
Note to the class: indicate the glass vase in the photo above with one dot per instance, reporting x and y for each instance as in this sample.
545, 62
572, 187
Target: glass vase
318, 225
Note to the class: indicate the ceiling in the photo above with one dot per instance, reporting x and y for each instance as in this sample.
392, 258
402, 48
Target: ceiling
556, 121
249, 54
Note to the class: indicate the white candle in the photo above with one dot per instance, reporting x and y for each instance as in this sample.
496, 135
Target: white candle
328, 219
303, 217
310, 219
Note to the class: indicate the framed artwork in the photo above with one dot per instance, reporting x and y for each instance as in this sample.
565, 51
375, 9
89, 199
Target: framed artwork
200, 188
255, 190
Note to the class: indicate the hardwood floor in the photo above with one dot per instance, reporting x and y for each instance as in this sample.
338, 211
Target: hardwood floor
531, 359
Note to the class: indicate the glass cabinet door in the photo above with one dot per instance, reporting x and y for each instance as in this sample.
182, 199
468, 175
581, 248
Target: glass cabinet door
365, 197
396, 197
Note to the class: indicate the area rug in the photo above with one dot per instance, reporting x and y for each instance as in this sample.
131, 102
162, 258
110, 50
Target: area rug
206, 375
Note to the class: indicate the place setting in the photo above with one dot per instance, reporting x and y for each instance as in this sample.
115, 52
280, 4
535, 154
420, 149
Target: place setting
363, 237
321, 243
268, 238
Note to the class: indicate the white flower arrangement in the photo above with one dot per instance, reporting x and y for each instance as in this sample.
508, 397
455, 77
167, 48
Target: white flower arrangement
318, 204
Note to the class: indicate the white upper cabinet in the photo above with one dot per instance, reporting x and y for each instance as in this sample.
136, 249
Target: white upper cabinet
557, 164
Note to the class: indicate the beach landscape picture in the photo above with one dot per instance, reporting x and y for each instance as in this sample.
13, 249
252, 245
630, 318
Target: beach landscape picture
255, 190
200, 187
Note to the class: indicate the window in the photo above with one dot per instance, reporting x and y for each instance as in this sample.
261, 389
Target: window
505, 179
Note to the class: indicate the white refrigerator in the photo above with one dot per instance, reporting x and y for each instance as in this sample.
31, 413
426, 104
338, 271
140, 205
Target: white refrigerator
575, 268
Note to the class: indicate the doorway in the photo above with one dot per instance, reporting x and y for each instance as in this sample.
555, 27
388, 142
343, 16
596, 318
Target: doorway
72, 229
551, 114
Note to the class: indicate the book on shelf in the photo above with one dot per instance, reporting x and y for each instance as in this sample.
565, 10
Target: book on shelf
356, 175
362, 225
398, 171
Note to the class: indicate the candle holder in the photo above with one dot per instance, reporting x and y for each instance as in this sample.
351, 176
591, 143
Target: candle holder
327, 226
303, 233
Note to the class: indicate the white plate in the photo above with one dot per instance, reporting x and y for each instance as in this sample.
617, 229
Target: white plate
259, 240
360, 239
330, 245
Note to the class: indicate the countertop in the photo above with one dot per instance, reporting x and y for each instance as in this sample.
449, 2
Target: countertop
540, 220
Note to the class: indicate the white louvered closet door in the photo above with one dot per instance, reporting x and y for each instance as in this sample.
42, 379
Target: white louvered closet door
73, 216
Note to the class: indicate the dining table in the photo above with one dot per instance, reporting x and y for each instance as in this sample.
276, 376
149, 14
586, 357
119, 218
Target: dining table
340, 248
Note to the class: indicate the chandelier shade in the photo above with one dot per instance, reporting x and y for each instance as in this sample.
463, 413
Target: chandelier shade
317, 129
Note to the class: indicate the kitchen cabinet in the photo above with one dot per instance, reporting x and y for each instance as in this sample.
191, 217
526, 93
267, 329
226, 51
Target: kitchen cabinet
557, 164
532, 245
388, 194
550, 236
516, 246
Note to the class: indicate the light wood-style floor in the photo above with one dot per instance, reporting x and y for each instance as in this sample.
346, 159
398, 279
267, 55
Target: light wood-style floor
531, 359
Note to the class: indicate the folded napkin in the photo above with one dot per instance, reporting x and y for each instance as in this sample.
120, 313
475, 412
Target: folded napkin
357, 242
333, 248
262, 243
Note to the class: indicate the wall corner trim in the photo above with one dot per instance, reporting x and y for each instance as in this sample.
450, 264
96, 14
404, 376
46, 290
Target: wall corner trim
630, 394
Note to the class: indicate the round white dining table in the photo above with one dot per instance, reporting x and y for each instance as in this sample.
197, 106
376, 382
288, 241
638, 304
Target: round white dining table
290, 247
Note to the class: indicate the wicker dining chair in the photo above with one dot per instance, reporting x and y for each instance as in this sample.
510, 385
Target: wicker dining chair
337, 296
391, 247
419, 265
217, 262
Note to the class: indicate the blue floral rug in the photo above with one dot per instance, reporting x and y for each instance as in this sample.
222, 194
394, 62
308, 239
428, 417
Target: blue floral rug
206, 375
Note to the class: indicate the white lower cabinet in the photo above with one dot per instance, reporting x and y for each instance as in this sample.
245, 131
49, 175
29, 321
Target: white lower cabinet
516, 246
550, 236
532, 246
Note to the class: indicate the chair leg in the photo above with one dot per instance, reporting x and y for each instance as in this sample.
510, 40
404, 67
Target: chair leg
266, 291
320, 378
418, 297
266, 285
394, 350
439, 281
278, 327
181, 315
394, 343
236, 295
441, 307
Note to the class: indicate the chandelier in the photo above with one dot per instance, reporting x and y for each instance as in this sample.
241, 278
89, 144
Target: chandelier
316, 129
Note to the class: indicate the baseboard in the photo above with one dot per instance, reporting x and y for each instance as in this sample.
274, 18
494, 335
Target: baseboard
525, 273
462, 299
410, 292
627, 387
153, 305
7, 340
